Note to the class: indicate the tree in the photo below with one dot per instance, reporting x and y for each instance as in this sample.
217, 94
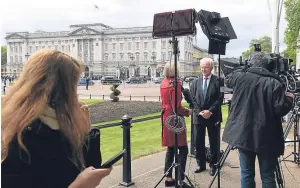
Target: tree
292, 16
3, 56
265, 43
115, 93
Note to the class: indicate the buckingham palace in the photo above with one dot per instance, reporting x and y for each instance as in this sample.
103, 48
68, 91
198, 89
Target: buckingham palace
104, 50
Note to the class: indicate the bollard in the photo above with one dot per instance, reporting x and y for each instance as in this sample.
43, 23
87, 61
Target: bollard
130, 97
103, 97
158, 98
192, 144
126, 125
144, 98
90, 96
229, 105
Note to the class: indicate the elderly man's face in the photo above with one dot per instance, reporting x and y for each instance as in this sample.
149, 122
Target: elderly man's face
206, 68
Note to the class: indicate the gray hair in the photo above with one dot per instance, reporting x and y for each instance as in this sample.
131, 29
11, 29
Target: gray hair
207, 59
169, 70
260, 59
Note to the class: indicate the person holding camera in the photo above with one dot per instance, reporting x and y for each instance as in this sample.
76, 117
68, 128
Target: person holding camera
45, 129
254, 124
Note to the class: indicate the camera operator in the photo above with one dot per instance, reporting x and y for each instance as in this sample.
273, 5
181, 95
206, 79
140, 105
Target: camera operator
254, 124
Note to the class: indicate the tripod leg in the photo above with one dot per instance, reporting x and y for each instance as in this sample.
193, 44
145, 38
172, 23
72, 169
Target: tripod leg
220, 163
188, 179
165, 175
278, 176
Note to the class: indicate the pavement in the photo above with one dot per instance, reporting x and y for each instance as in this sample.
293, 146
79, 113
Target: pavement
138, 92
148, 170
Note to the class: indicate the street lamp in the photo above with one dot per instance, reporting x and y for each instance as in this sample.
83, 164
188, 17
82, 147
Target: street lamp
153, 67
118, 70
132, 66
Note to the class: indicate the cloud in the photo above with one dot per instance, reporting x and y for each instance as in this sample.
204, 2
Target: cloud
250, 19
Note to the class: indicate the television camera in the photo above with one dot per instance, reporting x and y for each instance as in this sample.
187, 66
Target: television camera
277, 64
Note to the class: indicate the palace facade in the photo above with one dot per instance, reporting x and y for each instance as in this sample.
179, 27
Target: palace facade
104, 50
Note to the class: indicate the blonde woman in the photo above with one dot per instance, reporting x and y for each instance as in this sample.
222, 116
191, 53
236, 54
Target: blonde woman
44, 127
167, 92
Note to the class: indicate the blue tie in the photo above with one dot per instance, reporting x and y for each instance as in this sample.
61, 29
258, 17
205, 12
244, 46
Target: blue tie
205, 88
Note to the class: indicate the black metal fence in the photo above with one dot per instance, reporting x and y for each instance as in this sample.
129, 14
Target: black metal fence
126, 124
122, 97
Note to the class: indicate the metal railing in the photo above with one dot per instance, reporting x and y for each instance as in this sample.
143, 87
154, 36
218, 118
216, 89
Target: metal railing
126, 124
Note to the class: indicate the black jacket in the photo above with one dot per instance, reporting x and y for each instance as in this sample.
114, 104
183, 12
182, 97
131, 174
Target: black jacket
49, 165
211, 102
257, 106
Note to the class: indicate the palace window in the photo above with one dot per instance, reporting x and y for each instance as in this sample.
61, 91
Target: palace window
154, 45
163, 44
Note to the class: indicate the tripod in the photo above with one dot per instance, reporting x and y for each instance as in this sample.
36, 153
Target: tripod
294, 120
176, 164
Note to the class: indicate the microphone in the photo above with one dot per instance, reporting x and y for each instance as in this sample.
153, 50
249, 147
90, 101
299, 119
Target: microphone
187, 96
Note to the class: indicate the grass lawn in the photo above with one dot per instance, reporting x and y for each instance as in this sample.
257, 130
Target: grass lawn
145, 137
91, 101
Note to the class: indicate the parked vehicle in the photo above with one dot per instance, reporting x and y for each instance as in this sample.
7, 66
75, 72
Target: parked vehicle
82, 82
158, 80
110, 80
189, 78
136, 81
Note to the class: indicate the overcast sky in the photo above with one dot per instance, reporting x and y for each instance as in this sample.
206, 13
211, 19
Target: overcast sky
250, 18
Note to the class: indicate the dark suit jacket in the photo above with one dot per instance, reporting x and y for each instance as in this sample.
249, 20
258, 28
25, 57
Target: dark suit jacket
212, 100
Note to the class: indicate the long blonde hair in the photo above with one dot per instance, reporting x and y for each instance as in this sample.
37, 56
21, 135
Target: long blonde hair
48, 76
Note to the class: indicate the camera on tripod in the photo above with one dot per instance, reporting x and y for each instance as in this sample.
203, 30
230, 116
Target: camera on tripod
218, 30
277, 64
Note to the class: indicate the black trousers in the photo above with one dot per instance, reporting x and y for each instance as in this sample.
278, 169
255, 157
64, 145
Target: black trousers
183, 152
200, 144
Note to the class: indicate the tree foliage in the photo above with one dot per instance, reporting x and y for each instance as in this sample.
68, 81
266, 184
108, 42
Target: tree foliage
3, 56
265, 43
292, 16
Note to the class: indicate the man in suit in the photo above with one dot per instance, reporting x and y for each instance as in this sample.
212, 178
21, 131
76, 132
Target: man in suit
206, 101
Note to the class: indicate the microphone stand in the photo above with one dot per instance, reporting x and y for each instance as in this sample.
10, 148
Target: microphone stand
176, 164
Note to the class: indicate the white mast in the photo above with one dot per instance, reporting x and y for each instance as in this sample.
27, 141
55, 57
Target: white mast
276, 14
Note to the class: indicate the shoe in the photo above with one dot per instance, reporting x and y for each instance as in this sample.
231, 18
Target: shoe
212, 171
170, 183
199, 169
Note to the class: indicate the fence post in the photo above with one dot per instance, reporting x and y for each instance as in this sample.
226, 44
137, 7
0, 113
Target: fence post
229, 105
192, 144
90, 96
126, 125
